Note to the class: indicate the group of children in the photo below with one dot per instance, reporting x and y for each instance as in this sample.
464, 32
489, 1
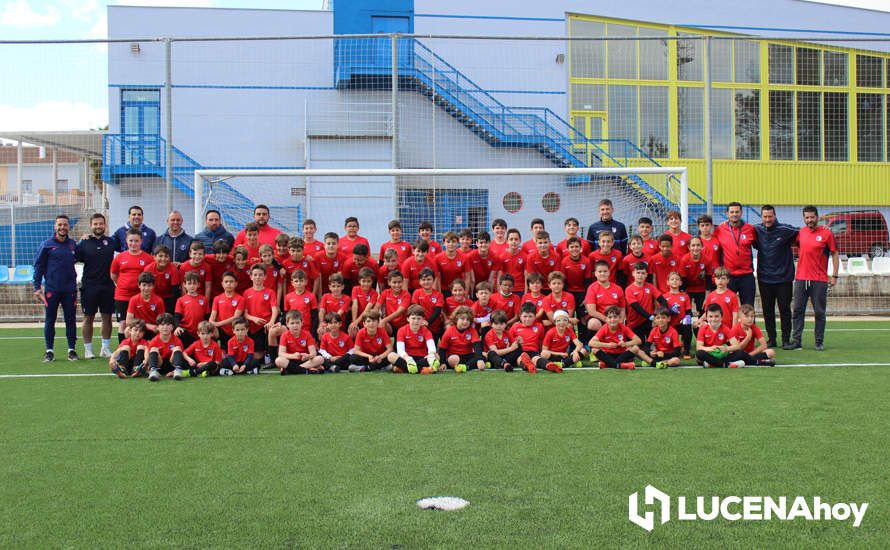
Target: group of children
307, 306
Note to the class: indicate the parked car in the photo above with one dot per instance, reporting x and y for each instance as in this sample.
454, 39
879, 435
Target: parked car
858, 232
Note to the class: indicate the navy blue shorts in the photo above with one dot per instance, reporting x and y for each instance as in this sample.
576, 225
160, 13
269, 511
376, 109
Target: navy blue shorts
95, 298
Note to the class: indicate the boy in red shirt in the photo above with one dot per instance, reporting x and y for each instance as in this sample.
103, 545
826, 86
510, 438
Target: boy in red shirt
460, 347
364, 298
641, 298
680, 307
191, 309
204, 356
483, 308
664, 342
499, 241
502, 351
558, 300
395, 242
571, 227
450, 264
644, 229
457, 299
299, 299
723, 297
165, 351
226, 307
412, 267
355, 263
394, 303
415, 347
275, 275
679, 238
513, 261
601, 294
663, 263
715, 345
608, 254
534, 282
351, 238
241, 268
167, 278
298, 260
529, 333
373, 347
261, 309
128, 360
543, 258
391, 263
505, 300
219, 263
431, 300
560, 348
696, 270
281, 252
296, 349
425, 231
146, 305
313, 247
334, 301
125, 270
711, 248
577, 269
615, 344
754, 350
335, 346
635, 254
239, 351
328, 263
197, 264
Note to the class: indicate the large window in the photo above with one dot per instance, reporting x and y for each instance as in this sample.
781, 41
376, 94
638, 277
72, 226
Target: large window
588, 97
870, 127
781, 64
781, 125
623, 115
690, 106
721, 123
809, 126
653, 55
835, 68
690, 53
835, 111
622, 53
869, 71
720, 62
746, 58
747, 124
808, 66
654, 133
587, 56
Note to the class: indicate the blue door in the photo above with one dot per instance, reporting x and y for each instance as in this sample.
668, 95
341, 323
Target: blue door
381, 24
140, 127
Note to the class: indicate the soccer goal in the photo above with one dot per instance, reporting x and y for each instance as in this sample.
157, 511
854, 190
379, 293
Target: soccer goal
449, 199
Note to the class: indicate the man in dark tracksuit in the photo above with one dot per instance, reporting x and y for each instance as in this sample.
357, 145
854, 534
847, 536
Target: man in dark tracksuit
775, 272
54, 270
96, 251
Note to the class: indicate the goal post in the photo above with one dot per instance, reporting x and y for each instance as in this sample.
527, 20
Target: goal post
662, 188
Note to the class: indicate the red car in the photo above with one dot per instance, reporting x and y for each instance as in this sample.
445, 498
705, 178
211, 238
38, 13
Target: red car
858, 232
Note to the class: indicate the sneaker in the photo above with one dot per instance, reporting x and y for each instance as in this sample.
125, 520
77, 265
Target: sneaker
88, 353
72, 355
603, 365
203, 374
488, 364
137, 371
154, 375
426, 370
527, 364
577, 365
687, 356
355, 368
49, 357
736, 364
767, 362
554, 367
254, 371
333, 369
508, 367
627, 366
118, 372
105, 353
645, 364
660, 365
771, 343
177, 373
226, 372
282, 371
460, 367
437, 365
399, 370
819, 347
187, 373
792, 346
412, 368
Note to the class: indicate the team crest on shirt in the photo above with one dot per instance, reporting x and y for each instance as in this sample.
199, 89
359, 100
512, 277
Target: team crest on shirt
200, 301
234, 303
701, 266
534, 329
583, 266
566, 338
166, 275
667, 339
141, 263
379, 341
306, 300
420, 338
459, 263
550, 262
614, 230
720, 335
564, 303
152, 307
398, 301
467, 336
105, 242
434, 300
726, 299
621, 338
613, 258
614, 295
819, 238
744, 237
302, 341
266, 296
244, 348
673, 263
682, 243
341, 343
646, 290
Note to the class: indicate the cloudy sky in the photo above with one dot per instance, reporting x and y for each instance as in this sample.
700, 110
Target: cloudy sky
65, 87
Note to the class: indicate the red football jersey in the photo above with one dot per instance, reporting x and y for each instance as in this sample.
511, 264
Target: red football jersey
452, 303
305, 303
259, 304
601, 297
217, 268
363, 298
538, 300
627, 265
165, 349
492, 340
680, 245
392, 302
289, 343
497, 248
435, 248
565, 302
815, 244
482, 311
483, 266
339, 304
346, 245
350, 270
202, 269
728, 302
577, 272
621, 335
450, 269
738, 332
554, 341
165, 279
646, 296
660, 266
531, 336
563, 247
313, 248
508, 304
530, 246
244, 281
133, 345
204, 354
193, 309
457, 342
535, 263
225, 308
711, 250
682, 301
403, 250
147, 310
736, 243
415, 342
711, 337
650, 247
696, 273
327, 266
372, 345
613, 258
338, 346
411, 270
240, 350
429, 302
274, 275
514, 264
305, 264
666, 341
127, 267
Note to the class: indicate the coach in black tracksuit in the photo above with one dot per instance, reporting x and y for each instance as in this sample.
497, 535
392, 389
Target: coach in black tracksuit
96, 252
775, 272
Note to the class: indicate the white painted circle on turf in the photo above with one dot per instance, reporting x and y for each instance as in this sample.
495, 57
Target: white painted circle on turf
447, 504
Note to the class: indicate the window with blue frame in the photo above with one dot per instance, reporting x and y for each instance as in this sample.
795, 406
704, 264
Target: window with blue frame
140, 126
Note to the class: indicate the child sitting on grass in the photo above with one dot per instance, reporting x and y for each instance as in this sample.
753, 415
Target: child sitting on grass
128, 359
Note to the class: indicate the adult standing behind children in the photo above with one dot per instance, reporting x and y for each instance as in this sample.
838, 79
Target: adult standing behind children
214, 230
134, 221
812, 281
175, 238
737, 238
96, 251
608, 223
775, 272
55, 282
267, 233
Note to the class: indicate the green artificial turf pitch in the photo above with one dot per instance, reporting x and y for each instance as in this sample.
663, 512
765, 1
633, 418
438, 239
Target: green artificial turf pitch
338, 461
